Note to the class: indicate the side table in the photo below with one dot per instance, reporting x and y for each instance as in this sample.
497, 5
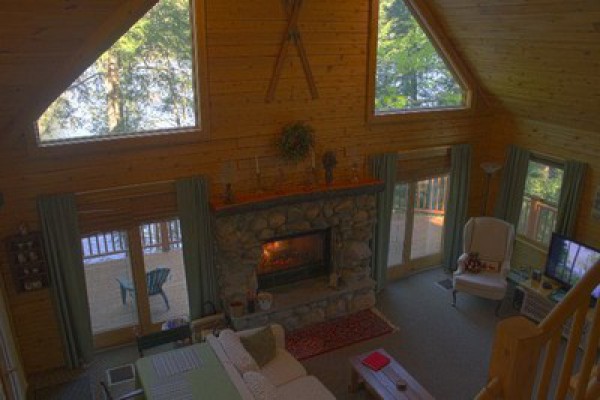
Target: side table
382, 383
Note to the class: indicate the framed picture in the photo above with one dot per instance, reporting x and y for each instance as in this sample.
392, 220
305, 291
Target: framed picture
596, 204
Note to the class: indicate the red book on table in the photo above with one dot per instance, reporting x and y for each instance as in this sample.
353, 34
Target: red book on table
376, 361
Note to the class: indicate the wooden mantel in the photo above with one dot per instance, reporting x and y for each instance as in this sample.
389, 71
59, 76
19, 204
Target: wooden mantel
261, 201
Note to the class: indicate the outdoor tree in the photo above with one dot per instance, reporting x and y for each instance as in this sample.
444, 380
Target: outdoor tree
142, 83
544, 182
410, 73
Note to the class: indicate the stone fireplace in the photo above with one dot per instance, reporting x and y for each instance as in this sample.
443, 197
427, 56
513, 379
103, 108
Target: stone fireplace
290, 244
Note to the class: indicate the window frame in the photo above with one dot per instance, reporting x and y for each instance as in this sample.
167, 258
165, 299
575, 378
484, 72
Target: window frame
552, 163
151, 138
432, 28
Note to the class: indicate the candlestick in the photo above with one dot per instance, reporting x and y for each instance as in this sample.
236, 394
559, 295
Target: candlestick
257, 165
259, 187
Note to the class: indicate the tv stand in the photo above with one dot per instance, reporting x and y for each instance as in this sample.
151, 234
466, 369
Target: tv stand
537, 304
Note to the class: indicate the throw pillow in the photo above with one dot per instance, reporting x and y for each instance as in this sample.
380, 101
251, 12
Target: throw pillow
492, 266
236, 352
260, 386
260, 345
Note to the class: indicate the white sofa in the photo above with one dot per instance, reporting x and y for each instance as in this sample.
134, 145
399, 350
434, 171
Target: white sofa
285, 372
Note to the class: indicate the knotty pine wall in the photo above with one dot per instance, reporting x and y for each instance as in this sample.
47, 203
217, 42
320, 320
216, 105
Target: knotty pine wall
243, 39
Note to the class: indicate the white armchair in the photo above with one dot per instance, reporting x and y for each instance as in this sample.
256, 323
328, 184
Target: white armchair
493, 240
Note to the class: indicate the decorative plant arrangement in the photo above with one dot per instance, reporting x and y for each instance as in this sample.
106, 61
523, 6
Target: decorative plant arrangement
296, 141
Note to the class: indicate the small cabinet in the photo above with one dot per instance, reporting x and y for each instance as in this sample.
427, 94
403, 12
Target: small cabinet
27, 261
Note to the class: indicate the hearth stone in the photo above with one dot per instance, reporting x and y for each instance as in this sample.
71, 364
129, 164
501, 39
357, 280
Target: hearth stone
292, 309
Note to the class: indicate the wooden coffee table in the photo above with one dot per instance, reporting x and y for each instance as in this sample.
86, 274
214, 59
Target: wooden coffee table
382, 383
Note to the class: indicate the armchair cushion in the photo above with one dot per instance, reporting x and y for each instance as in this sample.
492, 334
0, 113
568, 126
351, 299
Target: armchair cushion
491, 285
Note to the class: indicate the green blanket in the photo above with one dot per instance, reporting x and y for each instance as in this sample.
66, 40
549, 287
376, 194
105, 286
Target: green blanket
209, 381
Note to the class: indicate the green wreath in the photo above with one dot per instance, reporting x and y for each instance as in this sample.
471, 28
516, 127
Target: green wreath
296, 140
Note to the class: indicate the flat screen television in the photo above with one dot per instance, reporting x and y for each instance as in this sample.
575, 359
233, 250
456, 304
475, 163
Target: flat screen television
568, 260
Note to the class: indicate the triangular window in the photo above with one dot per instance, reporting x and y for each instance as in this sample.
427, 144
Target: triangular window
411, 74
143, 84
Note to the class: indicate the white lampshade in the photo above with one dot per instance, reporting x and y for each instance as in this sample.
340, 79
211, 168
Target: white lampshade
490, 167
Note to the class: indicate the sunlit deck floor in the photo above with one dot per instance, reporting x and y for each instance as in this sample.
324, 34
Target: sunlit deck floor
426, 239
108, 311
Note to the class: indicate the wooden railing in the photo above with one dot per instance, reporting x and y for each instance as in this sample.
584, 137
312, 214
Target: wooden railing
537, 219
115, 242
103, 244
431, 195
515, 362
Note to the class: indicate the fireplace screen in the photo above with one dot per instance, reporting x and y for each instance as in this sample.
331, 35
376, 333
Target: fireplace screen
287, 260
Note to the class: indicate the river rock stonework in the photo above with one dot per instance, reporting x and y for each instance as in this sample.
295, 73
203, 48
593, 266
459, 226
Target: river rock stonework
239, 240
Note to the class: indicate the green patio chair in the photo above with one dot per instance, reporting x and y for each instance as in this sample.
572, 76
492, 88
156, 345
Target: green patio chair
155, 280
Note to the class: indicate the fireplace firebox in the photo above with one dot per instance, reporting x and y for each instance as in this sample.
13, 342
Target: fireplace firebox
293, 258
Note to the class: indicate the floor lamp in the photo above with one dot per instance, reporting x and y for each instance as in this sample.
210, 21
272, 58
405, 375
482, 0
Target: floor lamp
489, 168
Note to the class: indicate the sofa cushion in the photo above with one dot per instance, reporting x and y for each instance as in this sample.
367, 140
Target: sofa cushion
235, 351
283, 368
260, 345
260, 386
305, 388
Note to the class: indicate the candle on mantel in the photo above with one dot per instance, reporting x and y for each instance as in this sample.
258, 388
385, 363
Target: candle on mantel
312, 158
257, 166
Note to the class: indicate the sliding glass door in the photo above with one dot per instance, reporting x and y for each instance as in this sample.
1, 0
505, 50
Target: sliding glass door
135, 280
416, 232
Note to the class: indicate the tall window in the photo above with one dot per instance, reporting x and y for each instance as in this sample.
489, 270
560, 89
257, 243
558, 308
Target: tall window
540, 201
410, 73
143, 83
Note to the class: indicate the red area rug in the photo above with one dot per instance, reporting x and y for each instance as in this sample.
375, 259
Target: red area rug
326, 336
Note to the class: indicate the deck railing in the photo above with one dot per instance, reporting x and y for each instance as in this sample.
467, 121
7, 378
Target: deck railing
515, 365
537, 220
115, 242
431, 195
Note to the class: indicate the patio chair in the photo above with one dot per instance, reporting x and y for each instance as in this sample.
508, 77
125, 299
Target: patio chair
155, 280
492, 239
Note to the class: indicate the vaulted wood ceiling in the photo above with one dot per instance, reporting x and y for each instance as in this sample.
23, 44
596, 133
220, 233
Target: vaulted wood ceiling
539, 59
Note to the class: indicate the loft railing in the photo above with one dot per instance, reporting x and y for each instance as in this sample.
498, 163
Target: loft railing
515, 362
537, 220
115, 242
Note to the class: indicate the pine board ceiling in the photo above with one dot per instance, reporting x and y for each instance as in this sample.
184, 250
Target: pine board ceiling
539, 59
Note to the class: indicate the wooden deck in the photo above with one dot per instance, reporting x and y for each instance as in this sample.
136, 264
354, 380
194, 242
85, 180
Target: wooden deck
426, 240
104, 295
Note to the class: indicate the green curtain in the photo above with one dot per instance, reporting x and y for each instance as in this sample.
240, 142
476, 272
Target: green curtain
383, 168
62, 243
510, 197
197, 238
456, 208
570, 197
